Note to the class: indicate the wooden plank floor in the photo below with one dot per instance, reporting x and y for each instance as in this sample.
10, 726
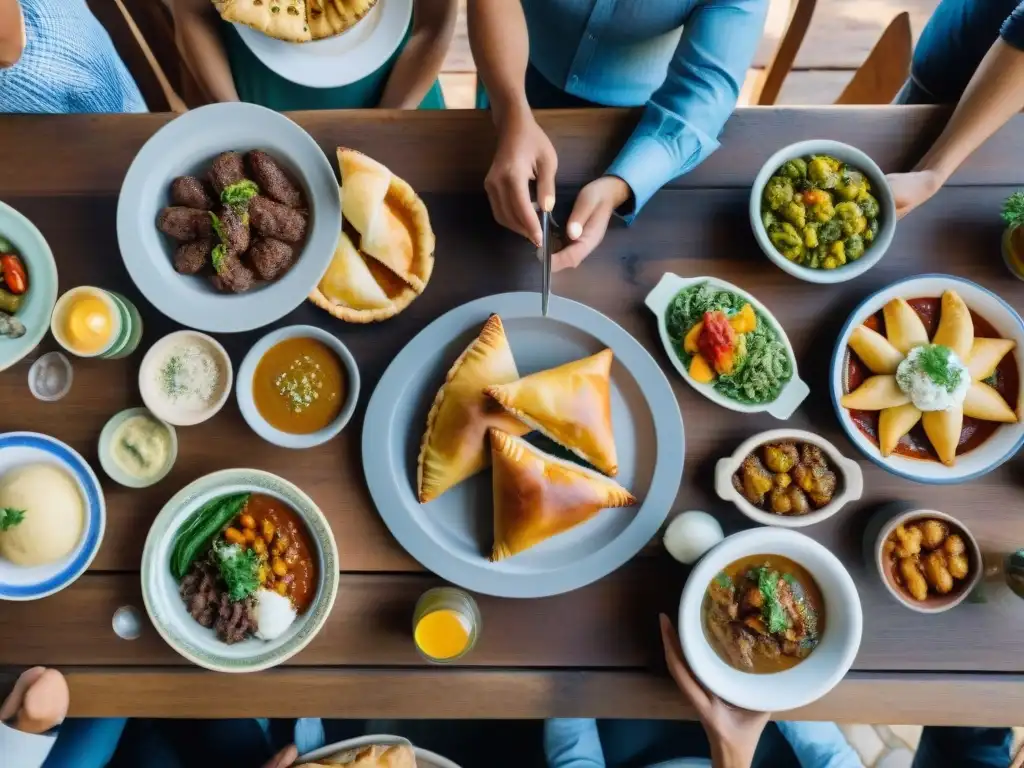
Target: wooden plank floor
839, 39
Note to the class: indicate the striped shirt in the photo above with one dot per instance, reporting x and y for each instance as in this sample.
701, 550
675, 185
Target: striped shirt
69, 65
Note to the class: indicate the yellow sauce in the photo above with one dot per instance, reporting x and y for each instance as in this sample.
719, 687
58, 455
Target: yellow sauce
88, 324
442, 634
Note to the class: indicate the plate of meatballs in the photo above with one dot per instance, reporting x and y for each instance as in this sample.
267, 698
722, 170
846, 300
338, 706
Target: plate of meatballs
227, 222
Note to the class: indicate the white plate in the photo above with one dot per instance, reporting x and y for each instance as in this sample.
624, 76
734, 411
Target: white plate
339, 60
18, 583
424, 758
658, 301
1004, 442
452, 535
813, 677
188, 145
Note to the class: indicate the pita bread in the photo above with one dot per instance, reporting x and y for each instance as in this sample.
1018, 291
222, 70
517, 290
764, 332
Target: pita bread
281, 19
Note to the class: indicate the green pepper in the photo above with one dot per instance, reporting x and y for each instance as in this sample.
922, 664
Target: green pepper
9, 302
204, 525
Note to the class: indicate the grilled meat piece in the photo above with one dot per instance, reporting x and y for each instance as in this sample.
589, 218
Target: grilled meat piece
227, 169
271, 258
272, 181
191, 257
232, 275
276, 221
234, 232
188, 191
185, 223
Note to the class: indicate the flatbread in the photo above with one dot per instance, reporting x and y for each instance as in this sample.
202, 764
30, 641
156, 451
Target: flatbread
280, 19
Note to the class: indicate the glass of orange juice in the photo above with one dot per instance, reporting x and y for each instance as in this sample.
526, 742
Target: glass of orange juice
445, 624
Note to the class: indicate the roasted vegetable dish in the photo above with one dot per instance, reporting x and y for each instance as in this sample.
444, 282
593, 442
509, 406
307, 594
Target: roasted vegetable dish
763, 614
820, 212
787, 478
13, 289
927, 558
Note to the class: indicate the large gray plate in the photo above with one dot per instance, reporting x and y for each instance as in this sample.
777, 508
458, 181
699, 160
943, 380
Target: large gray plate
452, 535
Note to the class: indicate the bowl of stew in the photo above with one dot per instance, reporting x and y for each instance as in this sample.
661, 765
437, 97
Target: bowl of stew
770, 620
822, 211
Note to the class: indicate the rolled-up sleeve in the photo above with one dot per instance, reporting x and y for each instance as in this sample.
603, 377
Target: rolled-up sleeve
1013, 28
573, 743
681, 122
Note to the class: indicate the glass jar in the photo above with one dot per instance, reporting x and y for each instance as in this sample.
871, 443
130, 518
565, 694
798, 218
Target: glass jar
445, 624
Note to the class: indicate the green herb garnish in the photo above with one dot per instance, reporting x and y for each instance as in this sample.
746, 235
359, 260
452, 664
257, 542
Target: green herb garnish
773, 613
239, 194
1013, 209
239, 569
218, 227
934, 361
723, 580
10, 517
217, 255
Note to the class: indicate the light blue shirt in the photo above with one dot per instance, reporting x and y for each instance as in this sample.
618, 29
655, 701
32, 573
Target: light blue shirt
684, 60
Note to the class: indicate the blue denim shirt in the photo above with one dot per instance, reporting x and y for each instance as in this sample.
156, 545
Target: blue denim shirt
685, 61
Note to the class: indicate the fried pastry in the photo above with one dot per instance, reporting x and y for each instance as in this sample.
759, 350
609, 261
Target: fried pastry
903, 326
537, 496
377, 756
571, 404
454, 445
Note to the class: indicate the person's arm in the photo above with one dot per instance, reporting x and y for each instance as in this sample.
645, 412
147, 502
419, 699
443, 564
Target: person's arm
420, 61
37, 704
12, 33
994, 95
680, 125
501, 48
199, 42
573, 743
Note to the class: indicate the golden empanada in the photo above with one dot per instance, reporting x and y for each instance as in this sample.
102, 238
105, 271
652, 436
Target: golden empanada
537, 496
454, 444
956, 327
943, 429
903, 326
398, 756
571, 404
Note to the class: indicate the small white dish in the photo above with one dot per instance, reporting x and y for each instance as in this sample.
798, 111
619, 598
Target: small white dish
424, 758
110, 466
60, 309
813, 677
1007, 439
251, 414
50, 377
658, 301
880, 189
850, 488
33, 583
163, 407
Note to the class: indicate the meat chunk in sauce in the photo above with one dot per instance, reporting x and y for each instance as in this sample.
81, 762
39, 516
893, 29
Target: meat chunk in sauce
801, 478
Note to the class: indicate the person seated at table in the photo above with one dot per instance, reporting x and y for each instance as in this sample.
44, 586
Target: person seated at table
970, 54
733, 736
55, 57
229, 71
684, 62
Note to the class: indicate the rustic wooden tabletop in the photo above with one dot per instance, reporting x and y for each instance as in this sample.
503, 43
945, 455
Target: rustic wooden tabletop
591, 652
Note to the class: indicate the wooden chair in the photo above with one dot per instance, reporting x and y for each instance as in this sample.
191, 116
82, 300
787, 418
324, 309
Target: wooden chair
766, 85
886, 68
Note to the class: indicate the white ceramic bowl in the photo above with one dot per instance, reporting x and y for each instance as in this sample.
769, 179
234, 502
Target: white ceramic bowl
850, 486
1006, 440
160, 590
187, 145
658, 301
424, 758
880, 189
813, 677
881, 526
106, 455
149, 385
20, 583
259, 425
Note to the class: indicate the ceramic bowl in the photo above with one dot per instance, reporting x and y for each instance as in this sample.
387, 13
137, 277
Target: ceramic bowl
21, 583
149, 381
160, 589
106, 455
879, 528
187, 145
660, 299
424, 758
244, 383
42, 284
880, 189
813, 677
1006, 440
850, 479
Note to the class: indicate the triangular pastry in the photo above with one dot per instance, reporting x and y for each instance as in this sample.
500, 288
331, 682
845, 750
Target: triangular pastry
570, 404
537, 496
398, 756
454, 444
349, 282
280, 19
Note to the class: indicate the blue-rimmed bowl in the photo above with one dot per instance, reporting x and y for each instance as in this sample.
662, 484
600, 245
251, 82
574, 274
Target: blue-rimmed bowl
21, 583
166, 609
1004, 442
35, 312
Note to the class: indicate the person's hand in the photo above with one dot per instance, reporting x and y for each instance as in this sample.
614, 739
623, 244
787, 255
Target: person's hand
38, 702
524, 152
732, 732
913, 189
284, 758
589, 219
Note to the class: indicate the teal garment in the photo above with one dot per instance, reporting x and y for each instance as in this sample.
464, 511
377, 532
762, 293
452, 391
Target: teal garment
258, 84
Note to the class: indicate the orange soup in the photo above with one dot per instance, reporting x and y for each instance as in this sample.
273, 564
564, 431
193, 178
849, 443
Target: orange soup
299, 386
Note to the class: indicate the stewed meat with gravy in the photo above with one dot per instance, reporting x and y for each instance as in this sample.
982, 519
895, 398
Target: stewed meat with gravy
185, 224
208, 603
272, 181
189, 192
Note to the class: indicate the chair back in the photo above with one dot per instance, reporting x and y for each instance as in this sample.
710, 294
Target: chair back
767, 84
886, 68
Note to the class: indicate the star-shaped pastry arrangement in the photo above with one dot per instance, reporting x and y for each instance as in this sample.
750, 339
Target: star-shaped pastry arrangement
883, 356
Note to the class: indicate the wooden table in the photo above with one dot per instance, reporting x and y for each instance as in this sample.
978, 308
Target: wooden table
592, 652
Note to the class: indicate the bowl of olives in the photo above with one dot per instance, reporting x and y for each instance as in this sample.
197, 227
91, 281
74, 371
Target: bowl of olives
926, 559
822, 211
